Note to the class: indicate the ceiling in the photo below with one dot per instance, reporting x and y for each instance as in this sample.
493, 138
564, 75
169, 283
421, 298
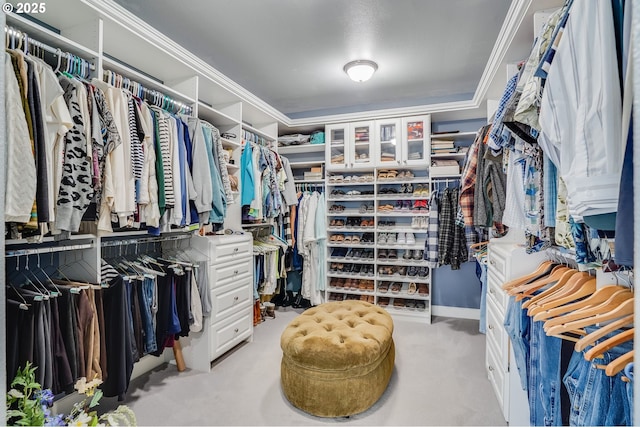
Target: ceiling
291, 53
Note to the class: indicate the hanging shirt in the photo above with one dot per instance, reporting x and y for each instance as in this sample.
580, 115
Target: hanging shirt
247, 175
20, 175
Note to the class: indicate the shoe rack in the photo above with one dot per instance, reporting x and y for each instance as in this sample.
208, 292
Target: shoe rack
376, 239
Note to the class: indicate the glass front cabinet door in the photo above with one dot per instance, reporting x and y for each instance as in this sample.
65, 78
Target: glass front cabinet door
336, 148
416, 136
361, 147
388, 141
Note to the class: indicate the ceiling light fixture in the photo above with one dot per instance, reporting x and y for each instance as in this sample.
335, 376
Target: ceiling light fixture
360, 70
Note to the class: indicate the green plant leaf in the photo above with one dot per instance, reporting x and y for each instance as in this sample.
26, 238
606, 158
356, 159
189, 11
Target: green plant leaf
15, 413
95, 401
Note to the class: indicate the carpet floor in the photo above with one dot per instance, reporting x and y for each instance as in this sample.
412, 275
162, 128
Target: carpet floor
438, 379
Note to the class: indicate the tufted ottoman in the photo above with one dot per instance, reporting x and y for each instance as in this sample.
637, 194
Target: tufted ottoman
337, 358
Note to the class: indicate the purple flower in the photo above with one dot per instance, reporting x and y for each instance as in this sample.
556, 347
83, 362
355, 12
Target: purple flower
58, 420
45, 396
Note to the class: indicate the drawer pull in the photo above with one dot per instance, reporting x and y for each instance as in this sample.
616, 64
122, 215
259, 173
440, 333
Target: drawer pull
236, 330
491, 291
490, 368
492, 262
235, 298
236, 249
235, 272
490, 326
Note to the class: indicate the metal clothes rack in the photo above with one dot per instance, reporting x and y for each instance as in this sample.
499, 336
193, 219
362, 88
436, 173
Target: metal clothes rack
142, 240
441, 183
46, 250
152, 96
16, 39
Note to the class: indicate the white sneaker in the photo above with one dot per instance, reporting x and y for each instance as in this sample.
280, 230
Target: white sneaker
415, 222
424, 222
410, 239
402, 239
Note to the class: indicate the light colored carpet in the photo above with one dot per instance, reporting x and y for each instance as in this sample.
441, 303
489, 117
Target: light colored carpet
439, 379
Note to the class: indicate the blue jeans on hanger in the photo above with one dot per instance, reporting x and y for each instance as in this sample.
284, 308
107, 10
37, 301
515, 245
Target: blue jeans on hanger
597, 399
545, 378
146, 290
628, 372
516, 323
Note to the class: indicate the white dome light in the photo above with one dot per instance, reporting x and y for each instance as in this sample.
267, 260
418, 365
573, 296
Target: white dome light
360, 70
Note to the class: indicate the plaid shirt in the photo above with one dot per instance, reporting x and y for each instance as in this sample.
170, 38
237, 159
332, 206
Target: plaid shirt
495, 141
431, 244
468, 179
452, 245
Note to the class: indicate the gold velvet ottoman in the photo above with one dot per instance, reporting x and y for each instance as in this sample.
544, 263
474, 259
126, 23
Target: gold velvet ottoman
337, 358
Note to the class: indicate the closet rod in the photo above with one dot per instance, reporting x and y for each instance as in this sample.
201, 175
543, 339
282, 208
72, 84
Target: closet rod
50, 249
120, 81
109, 243
27, 41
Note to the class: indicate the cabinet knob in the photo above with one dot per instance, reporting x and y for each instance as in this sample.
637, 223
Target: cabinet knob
235, 272
491, 291
490, 368
236, 330
492, 262
490, 326
235, 298
236, 249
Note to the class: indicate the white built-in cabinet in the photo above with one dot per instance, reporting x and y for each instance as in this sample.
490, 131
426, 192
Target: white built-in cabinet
350, 145
230, 273
506, 261
393, 143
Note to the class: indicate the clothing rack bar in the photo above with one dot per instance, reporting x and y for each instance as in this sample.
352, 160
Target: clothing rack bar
153, 96
153, 239
27, 41
50, 249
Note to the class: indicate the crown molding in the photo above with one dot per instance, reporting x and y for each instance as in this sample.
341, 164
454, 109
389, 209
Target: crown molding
518, 9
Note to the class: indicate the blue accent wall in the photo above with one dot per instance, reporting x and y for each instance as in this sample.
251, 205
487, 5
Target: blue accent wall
456, 288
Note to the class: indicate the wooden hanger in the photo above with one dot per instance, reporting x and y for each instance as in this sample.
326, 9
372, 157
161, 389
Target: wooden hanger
608, 305
623, 309
556, 274
598, 297
578, 286
542, 268
556, 287
599, 349
588, 340
619, 364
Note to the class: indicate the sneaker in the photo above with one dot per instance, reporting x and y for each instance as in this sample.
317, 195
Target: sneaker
402, 239
423, 272
382, 238
408, 254
391, 238
406, 205
418, 254
415, 222
410, 239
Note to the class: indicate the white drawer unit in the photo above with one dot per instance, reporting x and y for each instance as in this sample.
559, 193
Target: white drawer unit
231, 290
507, 261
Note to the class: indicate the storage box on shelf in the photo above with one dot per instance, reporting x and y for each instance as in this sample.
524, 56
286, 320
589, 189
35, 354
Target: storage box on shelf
231, 288
448, 151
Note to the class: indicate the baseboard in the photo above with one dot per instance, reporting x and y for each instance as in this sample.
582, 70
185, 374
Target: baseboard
456, 312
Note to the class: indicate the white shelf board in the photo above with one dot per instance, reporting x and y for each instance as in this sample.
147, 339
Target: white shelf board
259, 132
303, 148
44, 35
117, 67
308, 181
215, 117
453, 176
449, 156
454, 135
308, 164
230, 144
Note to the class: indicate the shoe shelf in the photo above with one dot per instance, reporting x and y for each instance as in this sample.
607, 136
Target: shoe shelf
352, 260
386, 191
403, 262
400, 196
350, 198
409, 213
351, 229
350, 212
